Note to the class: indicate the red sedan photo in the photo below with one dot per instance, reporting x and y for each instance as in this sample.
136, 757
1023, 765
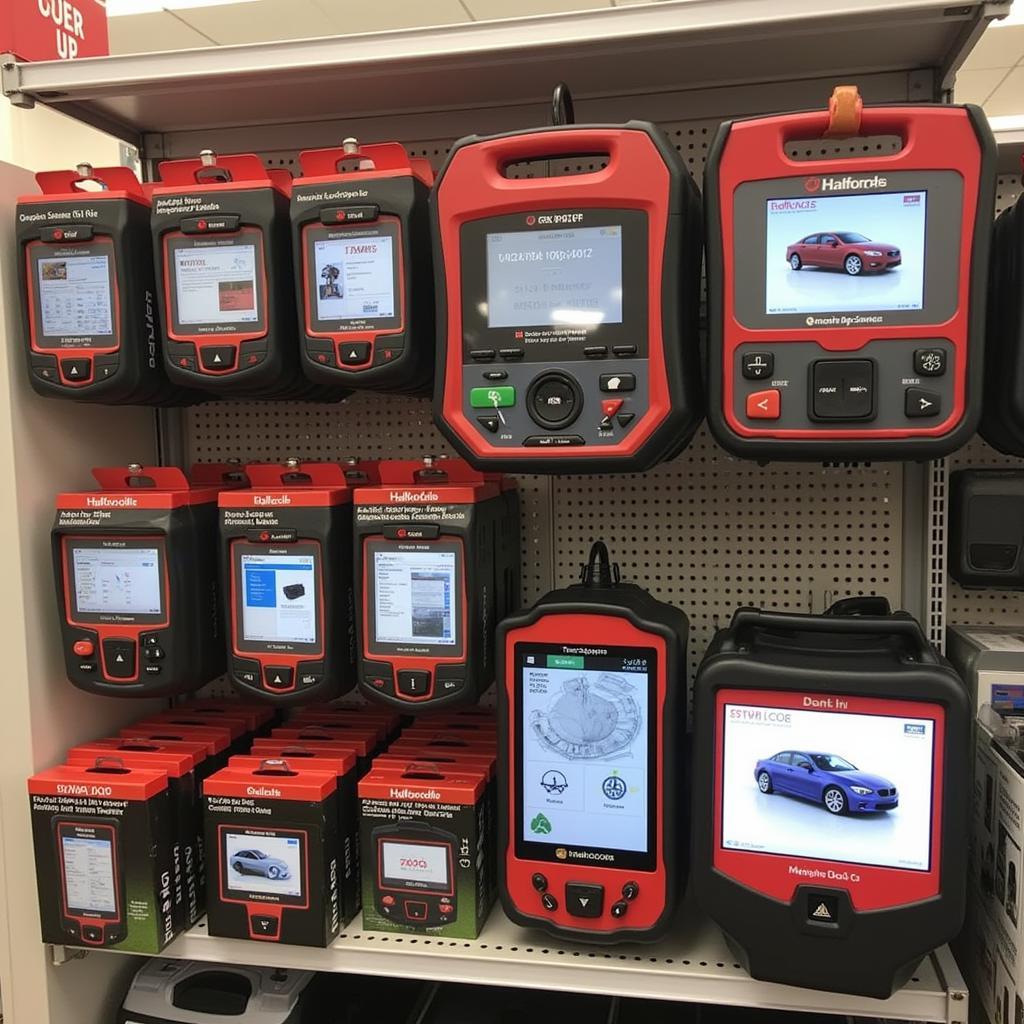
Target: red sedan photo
849, 251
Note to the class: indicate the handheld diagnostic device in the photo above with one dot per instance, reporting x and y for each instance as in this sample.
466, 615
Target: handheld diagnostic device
91, 880
86, 274
567, 303
846, 293
415, 874
286, 545
361, 239
186, 992
135, 570
829, 754
220, 231
429, 553
592, 716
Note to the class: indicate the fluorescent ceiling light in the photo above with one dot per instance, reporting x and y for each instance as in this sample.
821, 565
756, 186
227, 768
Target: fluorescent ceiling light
1015, 17
121, 8
1007, 123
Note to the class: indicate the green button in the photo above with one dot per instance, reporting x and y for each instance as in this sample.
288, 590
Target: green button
492, 398
564, 661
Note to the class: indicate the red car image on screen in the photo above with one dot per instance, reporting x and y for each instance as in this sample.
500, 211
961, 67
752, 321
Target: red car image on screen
848, 251
825, 779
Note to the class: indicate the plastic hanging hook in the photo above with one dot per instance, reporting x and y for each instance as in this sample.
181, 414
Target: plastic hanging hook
845, 108
562, 111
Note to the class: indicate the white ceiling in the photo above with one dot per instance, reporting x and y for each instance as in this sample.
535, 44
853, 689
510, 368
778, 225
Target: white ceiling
993, 75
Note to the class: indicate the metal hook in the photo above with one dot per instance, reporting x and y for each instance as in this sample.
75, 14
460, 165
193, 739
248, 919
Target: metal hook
562, 111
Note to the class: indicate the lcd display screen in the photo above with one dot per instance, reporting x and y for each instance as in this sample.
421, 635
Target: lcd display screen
570, 277
355, 277
587, 744
117, 580
408, 865
853, 253
279, 598
75, 296
414, 597
89, 882
270, 864
216, 284
828, 785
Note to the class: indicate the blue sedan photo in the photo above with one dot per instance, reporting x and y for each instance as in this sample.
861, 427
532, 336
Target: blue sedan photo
825, 779
256, 862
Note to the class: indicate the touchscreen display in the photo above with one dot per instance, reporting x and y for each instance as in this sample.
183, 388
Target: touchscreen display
355, 277
75, 296
279, 598
415, 865
117, 581
828, 785
586, 747
263, 863
89, 874
845, 253
414, 597
568, 277
216, 284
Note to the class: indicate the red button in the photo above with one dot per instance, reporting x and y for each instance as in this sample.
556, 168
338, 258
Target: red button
445, 908
83, 648
764, 405
610, 406
388, 901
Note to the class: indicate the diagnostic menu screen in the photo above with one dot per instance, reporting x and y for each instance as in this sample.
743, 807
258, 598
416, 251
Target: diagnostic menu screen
415, 597
75, 296
355, 277
279, 598
117, 581
216, 284
412, 865
89, 884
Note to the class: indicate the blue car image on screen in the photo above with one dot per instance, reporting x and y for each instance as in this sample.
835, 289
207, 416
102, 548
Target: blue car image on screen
826, 779
256, 862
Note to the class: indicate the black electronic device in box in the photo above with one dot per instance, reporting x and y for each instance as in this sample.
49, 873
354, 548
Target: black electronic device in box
846, 291
361, 240
272, 855
223, 260
135, 570
431, 542
568, 303
592, 818
286, 554
186, 992
828, 787
87, 288
986, 528
415, 868
103, 838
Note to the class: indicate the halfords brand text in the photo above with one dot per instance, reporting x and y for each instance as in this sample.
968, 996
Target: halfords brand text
414, 794
413, 496
271, 499
588, 855
262, 791
102, 502
847, 183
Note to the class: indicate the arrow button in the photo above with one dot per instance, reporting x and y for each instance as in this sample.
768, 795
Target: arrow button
583, 899
277, 677
764, 405
921, 403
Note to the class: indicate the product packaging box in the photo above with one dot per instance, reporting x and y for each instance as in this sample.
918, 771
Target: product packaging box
103, 850
426, 842
273, 854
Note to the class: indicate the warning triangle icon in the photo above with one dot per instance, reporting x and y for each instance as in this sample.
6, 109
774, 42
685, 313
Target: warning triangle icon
119, 658
822, 913
217, 359
277, 679
74, 371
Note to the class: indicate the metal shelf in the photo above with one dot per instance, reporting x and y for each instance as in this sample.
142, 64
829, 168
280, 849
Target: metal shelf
692, 965
646, 48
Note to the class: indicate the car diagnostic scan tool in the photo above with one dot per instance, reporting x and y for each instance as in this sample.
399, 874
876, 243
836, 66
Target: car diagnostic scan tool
592, 713
415, 874
87, 288
827, 780
92, 880
135, 570
567, 304
846, 293
361, 239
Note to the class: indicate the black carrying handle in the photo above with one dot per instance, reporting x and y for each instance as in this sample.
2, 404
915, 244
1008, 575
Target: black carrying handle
747, 622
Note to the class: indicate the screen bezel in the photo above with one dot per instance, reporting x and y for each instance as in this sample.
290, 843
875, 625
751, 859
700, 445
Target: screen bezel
73, 830
73, 542
50, 343
241, 547
633, 329
442, 652
389, 884
313, 233
232, 895
177, 240
632, 860
942, 252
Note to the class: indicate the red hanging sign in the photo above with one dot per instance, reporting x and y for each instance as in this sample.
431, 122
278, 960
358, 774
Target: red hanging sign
53, 29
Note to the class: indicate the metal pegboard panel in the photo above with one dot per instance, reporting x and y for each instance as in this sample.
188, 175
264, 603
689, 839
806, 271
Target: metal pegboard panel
987, 605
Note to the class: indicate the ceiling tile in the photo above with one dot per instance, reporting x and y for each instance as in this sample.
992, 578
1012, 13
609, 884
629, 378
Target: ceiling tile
486, 10
145, 33
380, 15
998, 48
262, 22
973, 85
1009, 97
